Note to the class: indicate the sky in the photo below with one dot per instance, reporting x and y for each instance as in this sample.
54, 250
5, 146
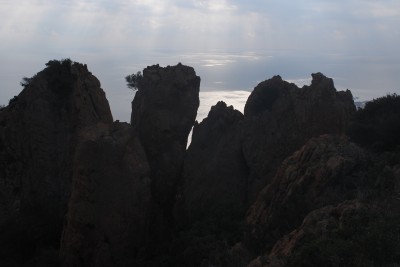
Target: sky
232, 45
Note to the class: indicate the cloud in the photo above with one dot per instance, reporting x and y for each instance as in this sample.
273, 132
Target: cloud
237, 99
232, 44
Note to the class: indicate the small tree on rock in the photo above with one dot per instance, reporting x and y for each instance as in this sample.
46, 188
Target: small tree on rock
25, 81
134, 80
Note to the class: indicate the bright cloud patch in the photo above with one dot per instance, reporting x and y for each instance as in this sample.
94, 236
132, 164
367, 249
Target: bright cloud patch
237, 99
232, 44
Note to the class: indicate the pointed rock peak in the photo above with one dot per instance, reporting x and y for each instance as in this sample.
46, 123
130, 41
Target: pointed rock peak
221, 106
277, 78
222, 111
320, 79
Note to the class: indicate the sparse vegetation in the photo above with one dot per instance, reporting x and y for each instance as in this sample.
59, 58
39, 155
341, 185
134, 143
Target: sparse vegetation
66, 62
12, 100
25, 81
134, 80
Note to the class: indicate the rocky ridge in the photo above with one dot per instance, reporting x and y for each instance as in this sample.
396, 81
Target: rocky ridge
280, 185
232, 156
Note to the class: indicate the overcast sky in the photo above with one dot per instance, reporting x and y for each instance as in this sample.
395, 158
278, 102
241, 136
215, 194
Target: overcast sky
232, 44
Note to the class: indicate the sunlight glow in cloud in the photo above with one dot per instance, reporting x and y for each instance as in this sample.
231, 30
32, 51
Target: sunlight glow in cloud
232, 44
237, 99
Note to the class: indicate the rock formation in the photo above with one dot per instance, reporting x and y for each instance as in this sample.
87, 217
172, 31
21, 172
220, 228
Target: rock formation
325, 171
38, 134
280, 185
280, 118
327, 223
107, 221
163, 112
233, 157
215, 169
358, 232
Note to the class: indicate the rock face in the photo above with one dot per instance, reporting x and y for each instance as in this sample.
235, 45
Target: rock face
107, 221
215, 171
38, 133
233, 157
280, 118
327, 223
77, 189
325, 171
163, 113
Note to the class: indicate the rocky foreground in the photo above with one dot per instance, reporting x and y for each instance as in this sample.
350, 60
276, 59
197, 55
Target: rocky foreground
302, 178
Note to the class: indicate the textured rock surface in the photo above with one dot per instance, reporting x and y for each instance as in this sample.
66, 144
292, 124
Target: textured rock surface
280, 118
326, 170
107, 221
163, 112
320, 224
38, 132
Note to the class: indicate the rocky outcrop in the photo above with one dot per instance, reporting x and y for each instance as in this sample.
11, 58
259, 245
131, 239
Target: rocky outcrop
324, 234
163, 113
107, 222
38, 133
325, 171
118, 186
280, 118
215, 171
233, 157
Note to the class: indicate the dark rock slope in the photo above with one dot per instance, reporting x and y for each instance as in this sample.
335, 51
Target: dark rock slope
327, 170
333, 203
107, 221
38, 134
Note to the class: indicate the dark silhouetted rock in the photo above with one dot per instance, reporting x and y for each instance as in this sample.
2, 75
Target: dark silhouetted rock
215, 173
214, 189
163, 112
38, 134
325, 171
233, 157
319, 226
107, 222
377, 125
280, 118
